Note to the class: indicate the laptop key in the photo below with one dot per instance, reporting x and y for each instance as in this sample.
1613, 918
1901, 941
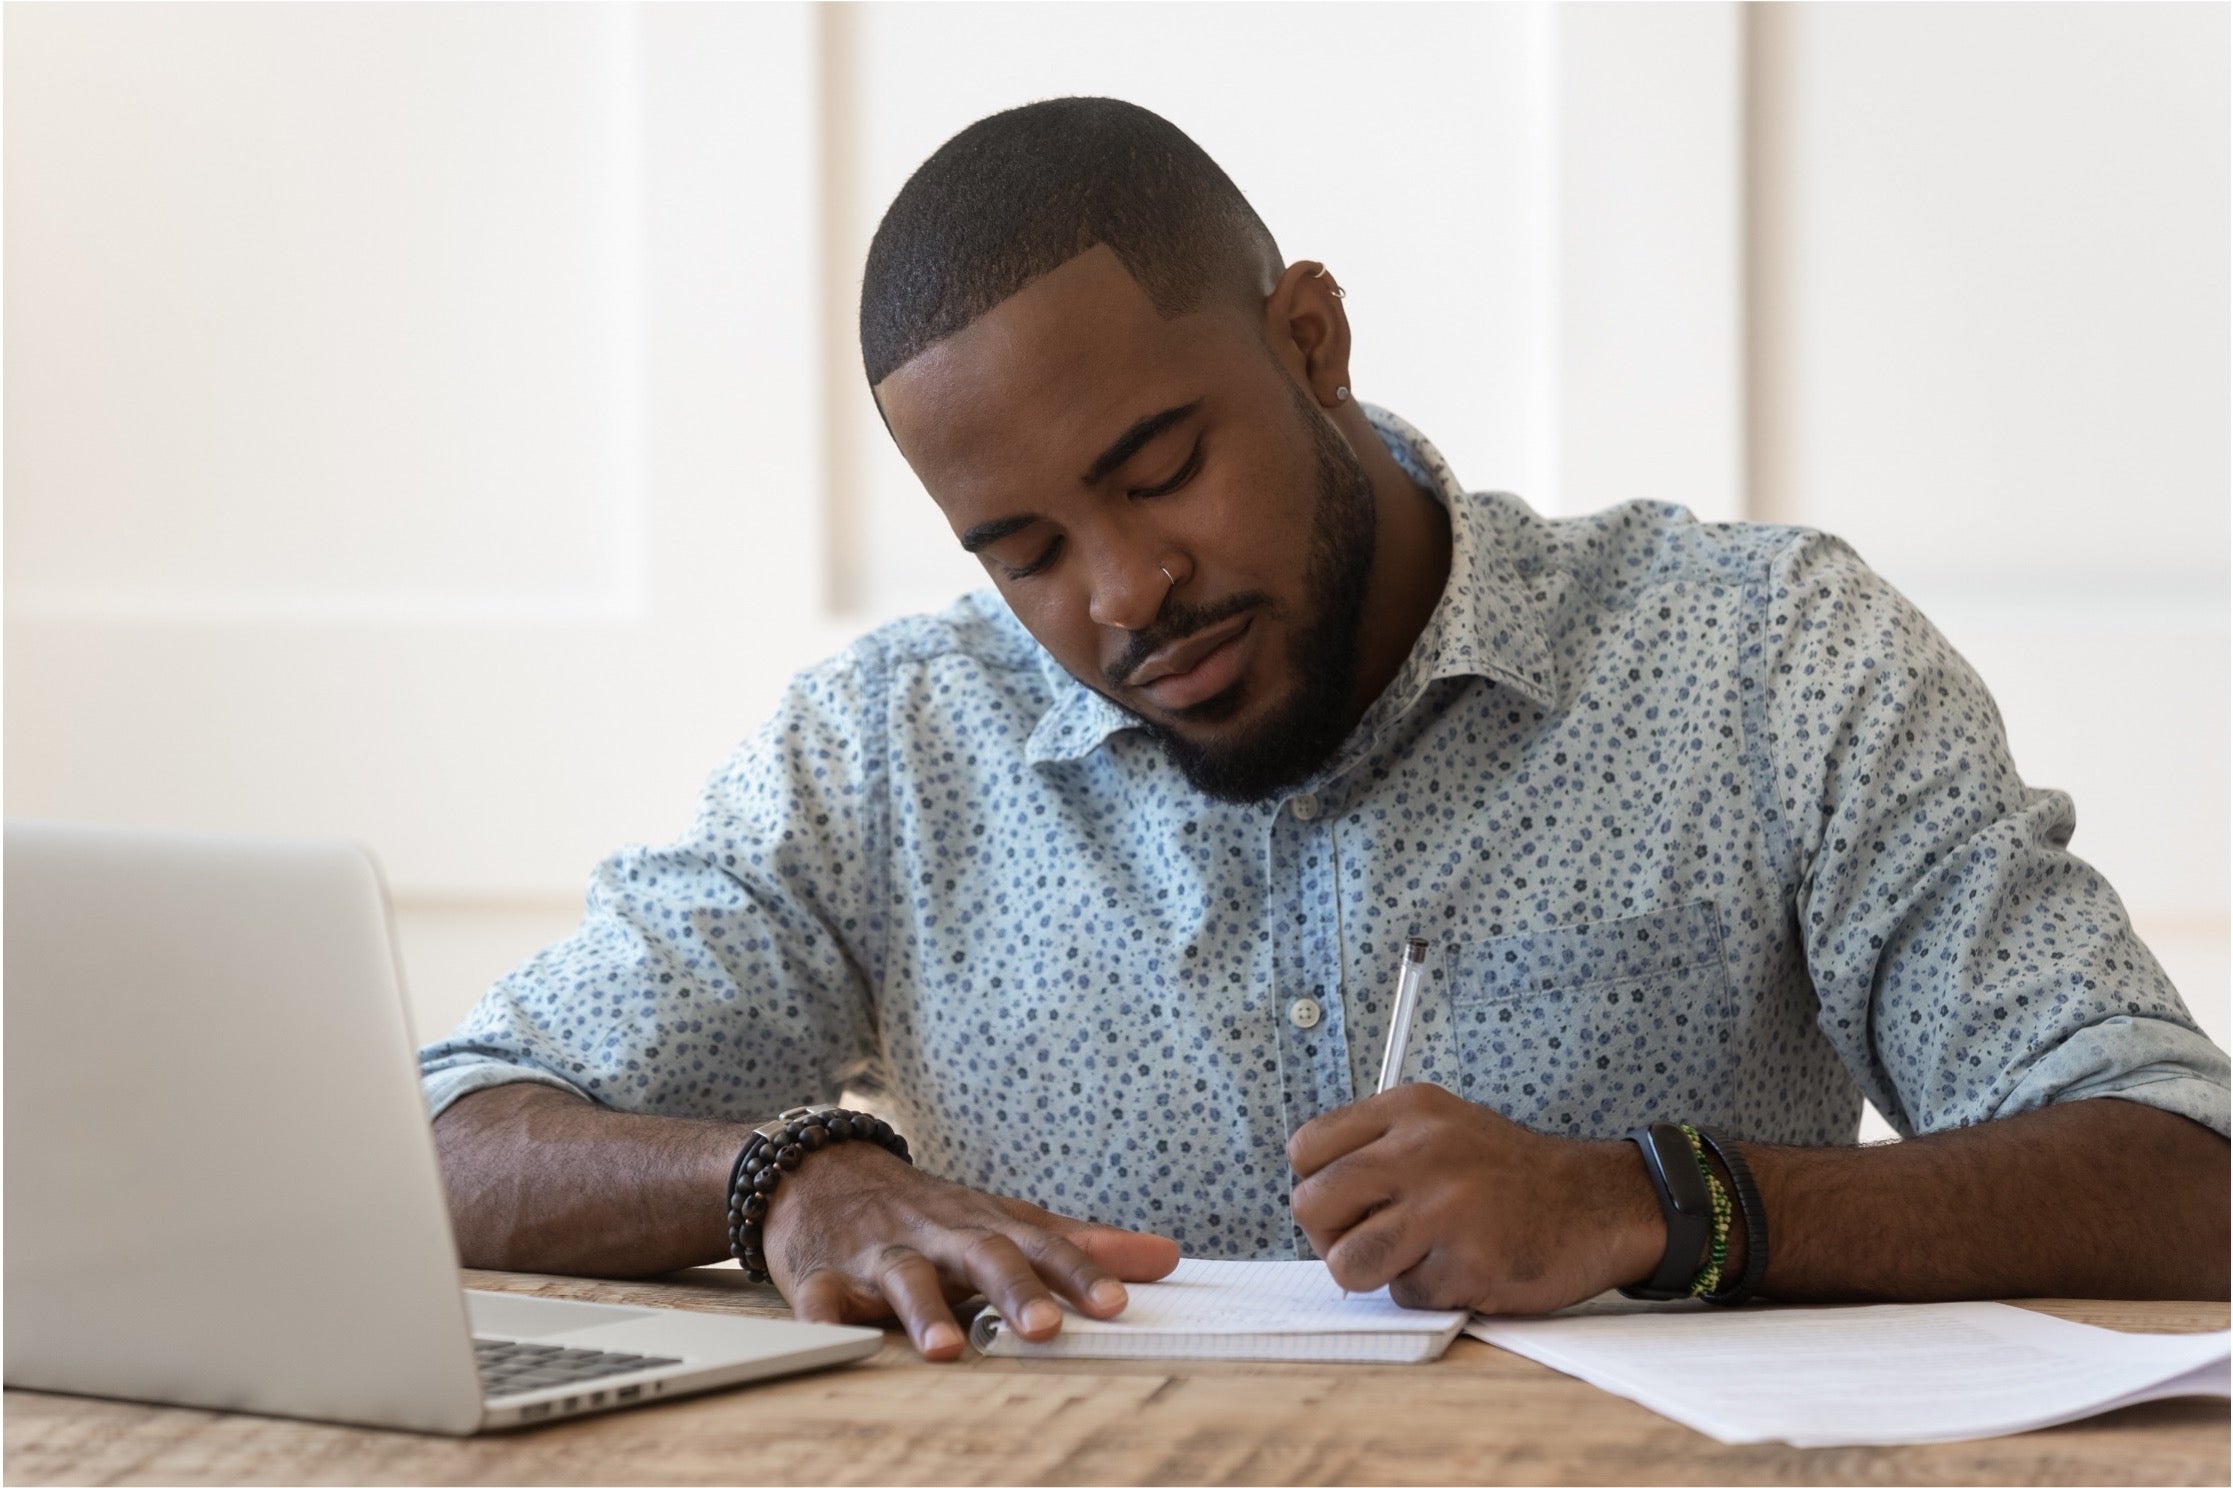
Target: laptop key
511, 1368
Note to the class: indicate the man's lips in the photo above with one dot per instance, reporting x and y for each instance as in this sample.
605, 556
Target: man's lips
1201, 666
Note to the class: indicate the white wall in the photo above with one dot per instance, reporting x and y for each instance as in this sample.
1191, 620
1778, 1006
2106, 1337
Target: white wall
440, 424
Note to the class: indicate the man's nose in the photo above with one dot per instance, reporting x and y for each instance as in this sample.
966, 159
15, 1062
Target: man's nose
1128, 591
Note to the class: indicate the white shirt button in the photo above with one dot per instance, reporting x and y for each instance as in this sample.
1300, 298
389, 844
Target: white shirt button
1305, 808
1303, 1012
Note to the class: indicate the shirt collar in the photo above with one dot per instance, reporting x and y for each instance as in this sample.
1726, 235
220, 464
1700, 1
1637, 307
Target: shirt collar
1485, 625
1077, 723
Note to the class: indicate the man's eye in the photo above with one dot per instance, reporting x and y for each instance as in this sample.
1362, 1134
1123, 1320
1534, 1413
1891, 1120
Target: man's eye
1037, 565
1185, 474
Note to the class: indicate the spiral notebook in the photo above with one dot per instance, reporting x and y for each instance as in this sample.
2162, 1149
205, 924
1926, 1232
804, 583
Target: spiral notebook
1259, 1310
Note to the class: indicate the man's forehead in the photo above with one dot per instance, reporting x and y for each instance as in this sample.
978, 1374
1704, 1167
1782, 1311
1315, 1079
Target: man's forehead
1042, 374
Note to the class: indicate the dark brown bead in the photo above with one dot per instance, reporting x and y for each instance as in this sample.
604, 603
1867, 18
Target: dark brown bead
791, 1132
766, 1180
879, 1131
841, 1127
755, 1208
790, 1157
814, 1139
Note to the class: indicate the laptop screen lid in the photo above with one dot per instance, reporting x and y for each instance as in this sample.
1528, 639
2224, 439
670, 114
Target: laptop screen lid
221, 1185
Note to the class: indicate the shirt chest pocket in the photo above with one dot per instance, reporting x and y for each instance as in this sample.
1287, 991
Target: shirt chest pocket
1592, 1029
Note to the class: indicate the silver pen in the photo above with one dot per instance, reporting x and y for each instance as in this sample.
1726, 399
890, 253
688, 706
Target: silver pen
1409, 970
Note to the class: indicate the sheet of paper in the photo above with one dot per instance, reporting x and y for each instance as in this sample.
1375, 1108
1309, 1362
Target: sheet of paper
1203, 1301
1861, 1376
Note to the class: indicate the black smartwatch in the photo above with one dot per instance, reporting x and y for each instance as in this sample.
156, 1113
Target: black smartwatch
1685, 1203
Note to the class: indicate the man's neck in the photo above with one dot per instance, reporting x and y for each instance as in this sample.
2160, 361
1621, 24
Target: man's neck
1410, 563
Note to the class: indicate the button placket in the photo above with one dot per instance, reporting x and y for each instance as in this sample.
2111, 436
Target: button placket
1314, 1060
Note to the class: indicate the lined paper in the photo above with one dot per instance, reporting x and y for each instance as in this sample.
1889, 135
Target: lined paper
1239, 1310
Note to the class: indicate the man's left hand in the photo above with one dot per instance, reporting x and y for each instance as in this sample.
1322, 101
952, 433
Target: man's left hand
1448, 1204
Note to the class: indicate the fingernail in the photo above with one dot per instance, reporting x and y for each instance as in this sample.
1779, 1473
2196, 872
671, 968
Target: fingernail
1107, 1293
1040, 1315
941, 1336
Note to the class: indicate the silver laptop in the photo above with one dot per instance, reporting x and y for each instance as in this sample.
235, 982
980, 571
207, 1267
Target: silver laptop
221, 1187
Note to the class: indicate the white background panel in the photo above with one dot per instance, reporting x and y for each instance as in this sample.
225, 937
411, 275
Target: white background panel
1995, 242
332, 309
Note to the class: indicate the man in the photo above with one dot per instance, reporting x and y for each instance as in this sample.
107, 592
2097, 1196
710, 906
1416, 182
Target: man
1100, 882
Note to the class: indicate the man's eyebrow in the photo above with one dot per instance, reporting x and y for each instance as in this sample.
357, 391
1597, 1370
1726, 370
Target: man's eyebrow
1128, 443
985, 534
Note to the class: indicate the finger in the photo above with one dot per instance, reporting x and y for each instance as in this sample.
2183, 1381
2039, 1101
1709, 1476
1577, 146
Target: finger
1376, 1252
1003, 1273
1071, 1271
1340, 1195
911, 1284
825, 1296
1433, 1285
1321, 1139
1127, 1254
1130, 1255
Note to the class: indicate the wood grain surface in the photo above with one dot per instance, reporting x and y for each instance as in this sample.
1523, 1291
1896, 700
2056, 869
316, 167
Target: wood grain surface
1479, 1415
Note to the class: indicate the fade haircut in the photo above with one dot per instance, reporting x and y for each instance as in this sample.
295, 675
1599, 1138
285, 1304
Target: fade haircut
1023, 192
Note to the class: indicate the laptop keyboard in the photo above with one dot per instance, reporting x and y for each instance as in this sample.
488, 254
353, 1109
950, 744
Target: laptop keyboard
511, 1368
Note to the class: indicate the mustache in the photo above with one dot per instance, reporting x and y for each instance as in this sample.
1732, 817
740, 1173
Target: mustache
1175, 624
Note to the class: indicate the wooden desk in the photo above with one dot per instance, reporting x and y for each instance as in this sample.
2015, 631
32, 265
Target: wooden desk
1478, 1416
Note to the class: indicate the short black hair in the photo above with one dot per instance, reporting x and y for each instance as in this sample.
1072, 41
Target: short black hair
1023, 192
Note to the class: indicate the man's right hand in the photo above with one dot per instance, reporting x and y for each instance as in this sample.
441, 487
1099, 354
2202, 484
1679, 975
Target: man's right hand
854, 1235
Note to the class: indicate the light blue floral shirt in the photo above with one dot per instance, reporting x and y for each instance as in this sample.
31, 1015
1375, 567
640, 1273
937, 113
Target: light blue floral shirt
1702, 821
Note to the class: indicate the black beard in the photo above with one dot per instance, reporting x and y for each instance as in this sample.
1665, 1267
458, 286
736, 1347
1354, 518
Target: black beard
1301, 734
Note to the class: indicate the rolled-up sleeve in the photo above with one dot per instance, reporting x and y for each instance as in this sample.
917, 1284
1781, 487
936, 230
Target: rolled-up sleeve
1968, 966
731, 974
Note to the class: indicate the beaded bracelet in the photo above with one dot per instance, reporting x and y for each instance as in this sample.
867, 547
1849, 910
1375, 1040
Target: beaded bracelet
1709, 1274
778, 1148
1755, 1216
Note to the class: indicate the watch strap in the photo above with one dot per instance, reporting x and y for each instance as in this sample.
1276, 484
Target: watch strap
1685, 1204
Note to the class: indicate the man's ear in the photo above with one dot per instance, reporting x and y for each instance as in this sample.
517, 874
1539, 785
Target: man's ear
1308, 330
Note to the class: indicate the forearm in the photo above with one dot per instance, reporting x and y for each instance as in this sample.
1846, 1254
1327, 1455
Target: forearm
2097, 1198
540, 1180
